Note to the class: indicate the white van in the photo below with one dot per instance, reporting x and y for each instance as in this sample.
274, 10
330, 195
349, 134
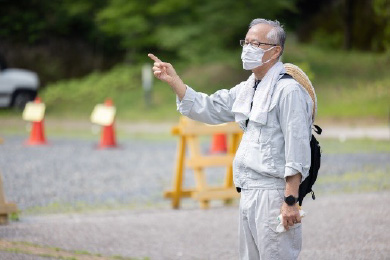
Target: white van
17, 87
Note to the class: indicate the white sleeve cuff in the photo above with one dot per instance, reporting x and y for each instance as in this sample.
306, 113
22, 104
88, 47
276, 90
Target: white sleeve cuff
185, 105
292, 169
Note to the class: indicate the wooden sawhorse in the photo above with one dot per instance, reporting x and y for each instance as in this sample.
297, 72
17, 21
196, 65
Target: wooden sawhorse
188, 132
5, 208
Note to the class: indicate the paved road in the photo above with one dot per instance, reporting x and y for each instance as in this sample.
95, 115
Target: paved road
353, 226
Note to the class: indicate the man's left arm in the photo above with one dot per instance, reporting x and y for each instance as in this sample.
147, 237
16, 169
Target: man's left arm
295, 122
291, 213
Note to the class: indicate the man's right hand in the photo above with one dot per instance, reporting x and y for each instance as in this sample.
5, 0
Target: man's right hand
164, 71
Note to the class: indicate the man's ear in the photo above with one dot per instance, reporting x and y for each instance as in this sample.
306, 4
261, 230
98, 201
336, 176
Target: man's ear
277, 51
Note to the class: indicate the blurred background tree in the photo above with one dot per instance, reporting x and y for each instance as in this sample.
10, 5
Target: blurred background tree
185, 29
58, 39
349, 24
79, 36
85, 51
382, 11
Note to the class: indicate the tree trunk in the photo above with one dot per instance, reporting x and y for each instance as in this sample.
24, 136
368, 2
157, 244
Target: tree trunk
348, 23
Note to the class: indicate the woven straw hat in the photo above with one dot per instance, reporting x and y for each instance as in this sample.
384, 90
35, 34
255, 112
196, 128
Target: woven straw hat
300, 76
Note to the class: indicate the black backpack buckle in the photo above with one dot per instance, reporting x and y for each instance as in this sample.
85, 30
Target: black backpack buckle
317, 129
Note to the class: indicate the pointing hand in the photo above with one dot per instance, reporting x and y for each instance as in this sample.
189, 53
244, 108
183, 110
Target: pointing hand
164, 71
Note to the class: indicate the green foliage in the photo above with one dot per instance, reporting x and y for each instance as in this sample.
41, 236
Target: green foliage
84, 93
347, 24
382, 10
52, 36
187, 29
25, 24
325, 40
348, 85
37, 19
126, 19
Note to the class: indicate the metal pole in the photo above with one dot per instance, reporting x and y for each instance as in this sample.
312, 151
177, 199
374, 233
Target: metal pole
147, 82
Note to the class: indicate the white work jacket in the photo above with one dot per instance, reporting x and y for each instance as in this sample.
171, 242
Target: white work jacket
267, 153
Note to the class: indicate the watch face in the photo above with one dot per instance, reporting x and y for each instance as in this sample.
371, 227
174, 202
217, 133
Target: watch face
290, 200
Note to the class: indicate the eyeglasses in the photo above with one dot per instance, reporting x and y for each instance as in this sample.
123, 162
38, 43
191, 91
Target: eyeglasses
255, 43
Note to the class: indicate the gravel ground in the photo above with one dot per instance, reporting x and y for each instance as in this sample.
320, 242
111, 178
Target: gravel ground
73, 171
17, 256
351, 226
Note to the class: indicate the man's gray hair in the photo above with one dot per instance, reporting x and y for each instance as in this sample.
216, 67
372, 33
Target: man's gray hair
276, 36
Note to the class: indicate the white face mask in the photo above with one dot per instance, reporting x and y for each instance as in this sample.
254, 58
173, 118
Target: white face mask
252, 57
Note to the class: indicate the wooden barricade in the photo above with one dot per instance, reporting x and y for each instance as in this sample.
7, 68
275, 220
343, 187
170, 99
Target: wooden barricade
188, 132
5, 208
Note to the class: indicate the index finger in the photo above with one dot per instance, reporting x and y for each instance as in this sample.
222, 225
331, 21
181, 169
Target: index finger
154, 57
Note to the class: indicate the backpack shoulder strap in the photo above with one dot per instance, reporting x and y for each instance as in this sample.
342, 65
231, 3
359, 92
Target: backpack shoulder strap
286, 76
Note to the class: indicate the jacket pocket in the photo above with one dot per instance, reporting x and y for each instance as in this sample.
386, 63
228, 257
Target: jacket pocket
273, 217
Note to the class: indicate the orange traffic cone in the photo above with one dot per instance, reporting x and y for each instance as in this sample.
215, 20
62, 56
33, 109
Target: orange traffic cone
107, 139
37, 135
218, 144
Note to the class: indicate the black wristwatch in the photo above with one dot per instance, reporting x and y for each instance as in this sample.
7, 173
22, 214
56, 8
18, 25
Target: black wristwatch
290, 200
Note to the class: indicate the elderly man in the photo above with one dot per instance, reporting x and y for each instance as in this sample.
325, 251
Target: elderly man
273, 158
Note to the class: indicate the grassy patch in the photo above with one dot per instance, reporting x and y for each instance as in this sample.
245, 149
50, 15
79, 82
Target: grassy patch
367, 181
28, 248
14, 217
335, 146
83, 207
348, 85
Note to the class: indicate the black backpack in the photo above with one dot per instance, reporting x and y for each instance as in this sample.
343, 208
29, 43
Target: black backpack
307, 184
